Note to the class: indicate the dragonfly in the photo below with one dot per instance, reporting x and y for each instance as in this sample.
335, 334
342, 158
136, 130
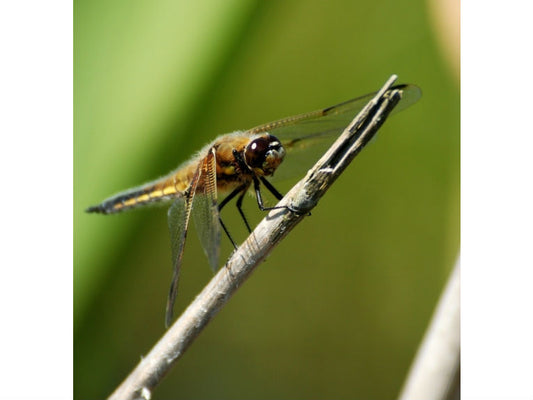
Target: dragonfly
237, 163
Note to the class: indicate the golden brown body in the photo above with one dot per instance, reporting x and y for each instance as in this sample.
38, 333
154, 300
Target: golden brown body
229, 175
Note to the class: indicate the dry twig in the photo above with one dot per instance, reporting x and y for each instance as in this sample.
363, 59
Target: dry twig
435, 370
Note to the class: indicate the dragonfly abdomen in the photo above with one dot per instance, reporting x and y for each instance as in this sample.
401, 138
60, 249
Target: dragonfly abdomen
160, 191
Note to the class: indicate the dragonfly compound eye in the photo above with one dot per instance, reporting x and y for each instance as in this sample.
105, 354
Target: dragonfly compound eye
264, 154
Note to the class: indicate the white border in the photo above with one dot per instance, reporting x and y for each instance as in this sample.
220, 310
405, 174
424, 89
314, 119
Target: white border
36, 203
497, 200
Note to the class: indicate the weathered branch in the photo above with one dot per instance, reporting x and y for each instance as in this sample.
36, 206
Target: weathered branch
434, 373
301, 199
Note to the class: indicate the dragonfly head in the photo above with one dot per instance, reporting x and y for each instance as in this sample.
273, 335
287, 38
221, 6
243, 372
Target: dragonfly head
264, 154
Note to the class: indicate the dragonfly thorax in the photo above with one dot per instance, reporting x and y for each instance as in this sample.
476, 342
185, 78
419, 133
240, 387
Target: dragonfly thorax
264, 154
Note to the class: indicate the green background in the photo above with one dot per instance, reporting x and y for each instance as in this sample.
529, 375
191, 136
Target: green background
338, 309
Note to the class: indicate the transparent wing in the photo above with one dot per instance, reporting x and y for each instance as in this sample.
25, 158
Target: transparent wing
205, 211
178, 222
306, 136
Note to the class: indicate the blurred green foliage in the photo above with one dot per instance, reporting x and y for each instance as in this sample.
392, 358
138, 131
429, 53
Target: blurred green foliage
338, 309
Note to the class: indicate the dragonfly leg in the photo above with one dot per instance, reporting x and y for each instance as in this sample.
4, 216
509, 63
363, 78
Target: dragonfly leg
231, 196
272, 190
239, 207
241, 189
227, 233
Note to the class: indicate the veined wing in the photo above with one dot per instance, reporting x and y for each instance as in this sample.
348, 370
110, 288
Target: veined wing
179, 215
205, 210
305, 136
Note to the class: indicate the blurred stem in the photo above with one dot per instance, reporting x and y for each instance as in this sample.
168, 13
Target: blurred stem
297, 204
435, 370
